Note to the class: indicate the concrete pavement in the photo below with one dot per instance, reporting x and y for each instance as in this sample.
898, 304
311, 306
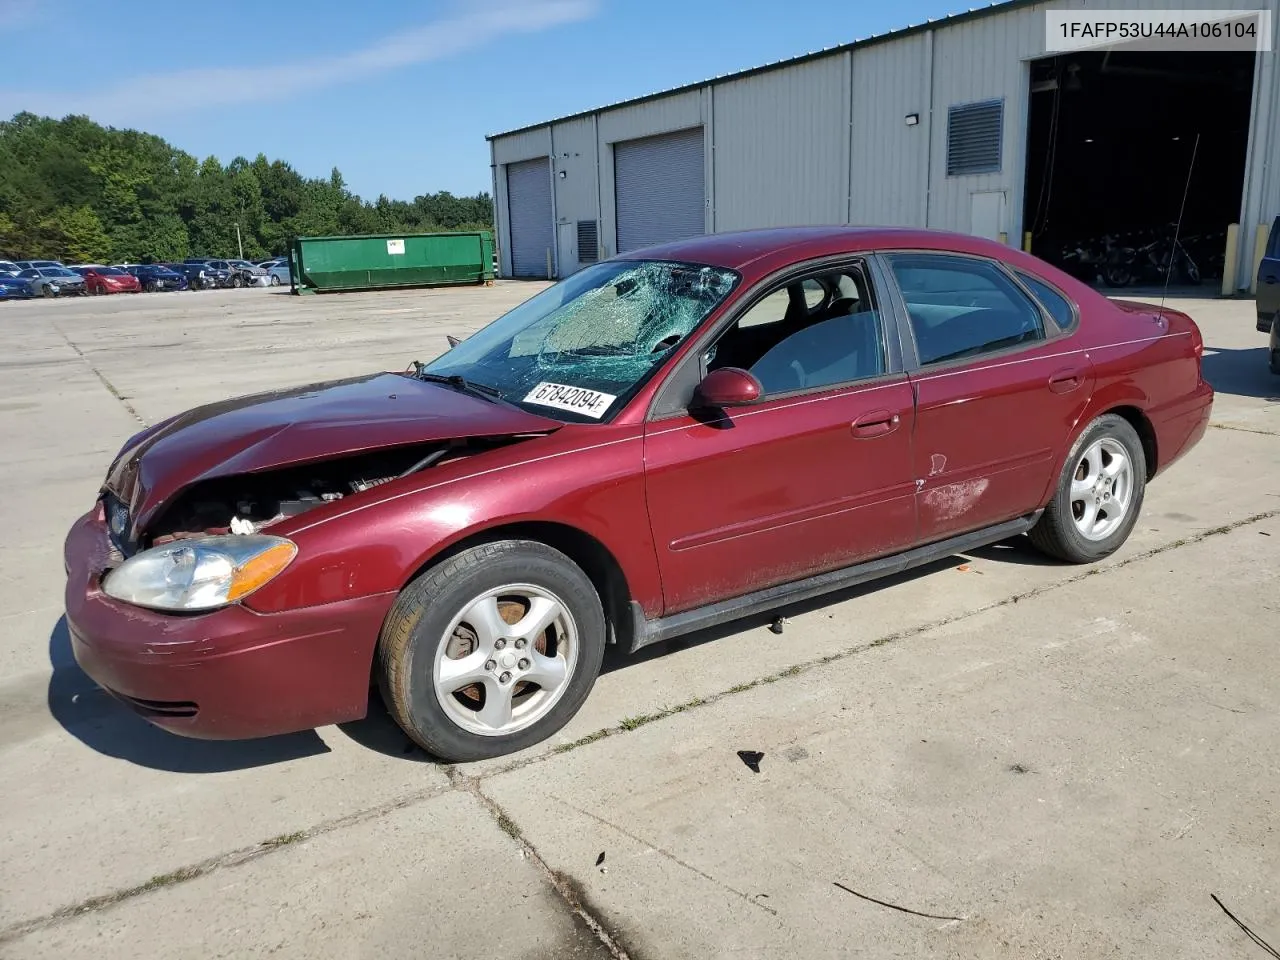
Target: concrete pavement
1067, 760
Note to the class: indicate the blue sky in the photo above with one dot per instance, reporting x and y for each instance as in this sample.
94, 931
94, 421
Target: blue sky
397, 94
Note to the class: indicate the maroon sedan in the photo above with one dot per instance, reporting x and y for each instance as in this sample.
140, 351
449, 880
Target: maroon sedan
99, 280
663, 441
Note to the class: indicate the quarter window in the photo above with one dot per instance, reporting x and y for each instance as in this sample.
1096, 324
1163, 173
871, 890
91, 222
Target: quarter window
963, 307
1058, 306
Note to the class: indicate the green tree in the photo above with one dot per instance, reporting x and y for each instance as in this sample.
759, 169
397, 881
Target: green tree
73, 188
84, 239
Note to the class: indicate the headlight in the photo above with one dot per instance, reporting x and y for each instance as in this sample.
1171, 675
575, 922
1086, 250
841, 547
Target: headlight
199, 574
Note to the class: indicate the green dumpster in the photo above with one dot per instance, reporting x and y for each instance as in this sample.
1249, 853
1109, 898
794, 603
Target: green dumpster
374, 262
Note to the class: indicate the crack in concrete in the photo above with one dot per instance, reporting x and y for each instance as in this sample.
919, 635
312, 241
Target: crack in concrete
458, 781
1232, 426
666, 853
561, 884
102, 377
233, 858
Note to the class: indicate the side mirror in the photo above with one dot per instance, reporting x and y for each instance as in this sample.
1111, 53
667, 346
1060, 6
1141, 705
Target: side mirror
727, 387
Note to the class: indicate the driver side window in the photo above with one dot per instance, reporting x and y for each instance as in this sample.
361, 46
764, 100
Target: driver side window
818, 332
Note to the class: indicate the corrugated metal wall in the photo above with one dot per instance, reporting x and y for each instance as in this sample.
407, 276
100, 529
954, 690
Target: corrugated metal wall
781, 145
825, 141
889, 171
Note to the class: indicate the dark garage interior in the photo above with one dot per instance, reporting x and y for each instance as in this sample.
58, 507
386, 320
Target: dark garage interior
1110, 142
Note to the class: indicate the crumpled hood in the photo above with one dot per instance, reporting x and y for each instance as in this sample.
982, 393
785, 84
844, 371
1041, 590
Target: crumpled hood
300, 425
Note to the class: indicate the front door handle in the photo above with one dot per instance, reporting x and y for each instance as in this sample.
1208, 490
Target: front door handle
1064, 381
875, 424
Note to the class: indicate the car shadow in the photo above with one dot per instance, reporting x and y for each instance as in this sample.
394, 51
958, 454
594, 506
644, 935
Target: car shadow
1019, 550
105, 725
1242, 372
618, 659
378, 731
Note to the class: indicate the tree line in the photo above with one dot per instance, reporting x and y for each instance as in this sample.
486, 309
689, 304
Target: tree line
76, 191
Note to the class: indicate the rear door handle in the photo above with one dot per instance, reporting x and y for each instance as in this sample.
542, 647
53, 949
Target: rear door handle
875, 424
1064, 381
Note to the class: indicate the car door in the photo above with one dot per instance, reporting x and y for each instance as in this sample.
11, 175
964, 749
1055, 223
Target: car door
998, 388
1268, 298
814, 476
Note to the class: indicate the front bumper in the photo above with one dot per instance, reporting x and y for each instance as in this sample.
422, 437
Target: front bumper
226, 675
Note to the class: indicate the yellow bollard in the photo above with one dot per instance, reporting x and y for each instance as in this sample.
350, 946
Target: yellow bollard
1230, 260
1026, 242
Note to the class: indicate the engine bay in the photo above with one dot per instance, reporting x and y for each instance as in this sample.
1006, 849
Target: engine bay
247, 503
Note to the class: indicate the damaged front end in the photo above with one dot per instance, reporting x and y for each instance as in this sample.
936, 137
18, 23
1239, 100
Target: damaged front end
252, 503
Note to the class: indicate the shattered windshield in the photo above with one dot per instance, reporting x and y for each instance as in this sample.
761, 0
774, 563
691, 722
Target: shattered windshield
579, 349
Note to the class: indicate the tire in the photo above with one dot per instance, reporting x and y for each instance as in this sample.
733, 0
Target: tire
1274, 365
427, 627
275, 281
1116, 275
1060, 532
149, 286
47, 291
237, 281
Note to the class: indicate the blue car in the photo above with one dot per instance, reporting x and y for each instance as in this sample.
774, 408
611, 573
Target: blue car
14, 288
154, 276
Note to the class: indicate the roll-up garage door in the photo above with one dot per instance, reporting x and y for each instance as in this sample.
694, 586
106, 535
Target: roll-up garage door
660, 189
529, 209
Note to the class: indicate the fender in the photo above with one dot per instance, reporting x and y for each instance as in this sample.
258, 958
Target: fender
590, 480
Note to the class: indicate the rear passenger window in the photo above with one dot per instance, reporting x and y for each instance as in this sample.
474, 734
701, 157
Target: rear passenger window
1058, 306
963, 307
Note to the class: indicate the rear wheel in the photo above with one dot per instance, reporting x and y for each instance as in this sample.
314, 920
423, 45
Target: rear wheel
1099, 494
491, 651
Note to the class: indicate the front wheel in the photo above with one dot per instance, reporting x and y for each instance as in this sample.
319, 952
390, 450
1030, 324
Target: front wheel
491, 651
237, 282
1099, 494
275, 281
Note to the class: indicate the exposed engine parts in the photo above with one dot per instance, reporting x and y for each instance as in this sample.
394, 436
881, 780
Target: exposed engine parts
248, 503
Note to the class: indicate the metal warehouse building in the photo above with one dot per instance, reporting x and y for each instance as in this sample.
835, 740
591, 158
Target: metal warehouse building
963, 124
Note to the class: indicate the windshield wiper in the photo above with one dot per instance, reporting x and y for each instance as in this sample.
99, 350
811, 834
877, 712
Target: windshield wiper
459, 382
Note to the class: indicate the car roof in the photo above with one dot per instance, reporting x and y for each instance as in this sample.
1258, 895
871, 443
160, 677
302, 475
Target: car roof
738, 249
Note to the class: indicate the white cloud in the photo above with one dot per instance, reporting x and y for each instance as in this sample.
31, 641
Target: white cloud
135, 100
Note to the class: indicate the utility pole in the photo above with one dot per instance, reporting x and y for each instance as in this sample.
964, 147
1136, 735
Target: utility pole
239, 243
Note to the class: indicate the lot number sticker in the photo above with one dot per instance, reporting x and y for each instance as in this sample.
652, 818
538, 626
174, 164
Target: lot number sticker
592, 403
395, 247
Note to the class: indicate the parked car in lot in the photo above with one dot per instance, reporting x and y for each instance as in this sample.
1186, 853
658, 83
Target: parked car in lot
38, 264
53, 281
14, 288
9, 269
157, 277
666, 440
1268, 298
198, 277
280, 273
102, 280
240, 272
